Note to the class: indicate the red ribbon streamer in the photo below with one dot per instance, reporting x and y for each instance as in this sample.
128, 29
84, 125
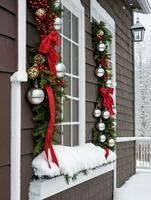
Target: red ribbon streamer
106, 152
48, 137
47, 46
107, 99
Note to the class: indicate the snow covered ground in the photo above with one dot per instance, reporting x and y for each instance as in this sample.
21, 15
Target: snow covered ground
138, 187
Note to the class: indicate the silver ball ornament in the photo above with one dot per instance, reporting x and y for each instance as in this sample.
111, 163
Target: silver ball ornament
101, 46
100, 126
35, 95
97, 112
58, 23
102, 138
57, 3
105, 114
99, 71
109, 83
111, 142
60, 70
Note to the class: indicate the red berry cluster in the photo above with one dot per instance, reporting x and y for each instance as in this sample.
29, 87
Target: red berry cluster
45, 21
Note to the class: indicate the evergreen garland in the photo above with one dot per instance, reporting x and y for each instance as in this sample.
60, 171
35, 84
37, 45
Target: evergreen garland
101, 34
44, 13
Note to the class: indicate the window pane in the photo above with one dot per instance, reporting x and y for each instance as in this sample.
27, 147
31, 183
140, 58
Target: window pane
67, 55
67, 135
66, 22
75, 30
67, 110
68, 88
75, 114
75, 135
75, 88
75, 59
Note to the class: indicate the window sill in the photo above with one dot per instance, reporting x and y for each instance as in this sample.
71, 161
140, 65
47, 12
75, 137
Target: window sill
42, 189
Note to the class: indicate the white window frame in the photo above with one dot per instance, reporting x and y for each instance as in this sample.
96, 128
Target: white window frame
77, 9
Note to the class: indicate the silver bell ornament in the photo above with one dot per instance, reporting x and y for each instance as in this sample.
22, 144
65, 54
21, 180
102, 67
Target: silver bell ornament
35, 95
57, 3
105, 114
109, 83
101, 46
111, 142
58, 23
60, 70
97, 112
99, 71
100, 126
102, 138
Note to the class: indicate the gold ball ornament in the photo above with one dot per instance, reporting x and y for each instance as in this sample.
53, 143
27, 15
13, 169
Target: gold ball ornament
33, 72
40, 12
39, 59
109, 72
100, 33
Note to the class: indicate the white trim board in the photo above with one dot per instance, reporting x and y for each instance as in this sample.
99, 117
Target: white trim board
40, 190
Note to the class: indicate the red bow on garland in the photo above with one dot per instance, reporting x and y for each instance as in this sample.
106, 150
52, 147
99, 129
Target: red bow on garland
104, 62
107, 99
47, 46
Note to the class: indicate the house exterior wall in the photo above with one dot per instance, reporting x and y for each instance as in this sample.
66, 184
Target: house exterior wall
101, 187
8, 63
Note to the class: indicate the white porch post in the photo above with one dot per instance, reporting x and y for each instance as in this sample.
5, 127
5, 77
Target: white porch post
16, 79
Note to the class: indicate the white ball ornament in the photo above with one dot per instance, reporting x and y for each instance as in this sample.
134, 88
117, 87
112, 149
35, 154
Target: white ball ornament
60, 70
114, 124
109, 83
105, 114
99, 71
97, 112
101, 46
35, 95
102, 138
57, 3
111, 142
100, 126
58, 23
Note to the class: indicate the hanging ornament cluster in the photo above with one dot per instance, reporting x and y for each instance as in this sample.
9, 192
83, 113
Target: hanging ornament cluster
45, 73
104, 131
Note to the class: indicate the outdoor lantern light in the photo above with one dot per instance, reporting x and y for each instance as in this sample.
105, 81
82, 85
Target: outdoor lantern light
138, 31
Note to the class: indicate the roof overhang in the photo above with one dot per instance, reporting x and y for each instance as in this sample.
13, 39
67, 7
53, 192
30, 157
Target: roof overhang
145, 6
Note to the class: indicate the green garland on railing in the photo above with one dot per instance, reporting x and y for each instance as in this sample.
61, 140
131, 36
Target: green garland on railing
104, 132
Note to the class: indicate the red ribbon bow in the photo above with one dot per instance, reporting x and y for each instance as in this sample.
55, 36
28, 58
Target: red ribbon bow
49, 133
47, 46
104, 62
107, 99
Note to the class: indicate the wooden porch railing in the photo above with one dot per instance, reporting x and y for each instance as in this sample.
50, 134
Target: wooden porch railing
143, 152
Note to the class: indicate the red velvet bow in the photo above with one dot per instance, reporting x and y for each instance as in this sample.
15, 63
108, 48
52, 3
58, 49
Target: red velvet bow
107, 99
47, 46
50, 128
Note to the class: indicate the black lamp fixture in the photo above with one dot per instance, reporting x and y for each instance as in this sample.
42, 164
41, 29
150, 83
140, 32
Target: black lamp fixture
138, 31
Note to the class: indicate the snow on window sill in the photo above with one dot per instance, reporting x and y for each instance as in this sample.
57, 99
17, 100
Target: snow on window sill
41, 189
73, 161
